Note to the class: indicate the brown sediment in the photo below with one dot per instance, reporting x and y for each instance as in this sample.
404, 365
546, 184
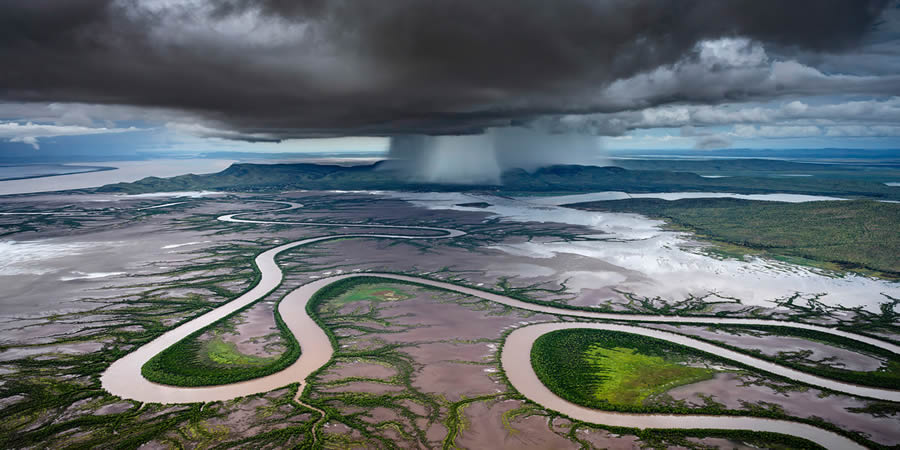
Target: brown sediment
255, 332
772, 344
256, 415
440, 321
348, 369
65, 349
343, 432
450, 351
610, 441
414, 407
113, 408
346, 332
152, 411
363, 386
434, 433
722, 443
456, 381
7, 401
352, 307
155, 445
380, 414
730, 390
485, 429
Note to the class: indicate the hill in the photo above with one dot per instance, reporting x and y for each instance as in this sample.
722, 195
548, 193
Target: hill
561, 179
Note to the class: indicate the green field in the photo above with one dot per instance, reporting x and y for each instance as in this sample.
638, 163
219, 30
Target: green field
208, 361
607, 369
623, 377
205, 361
380, 292
223, 353
856, 235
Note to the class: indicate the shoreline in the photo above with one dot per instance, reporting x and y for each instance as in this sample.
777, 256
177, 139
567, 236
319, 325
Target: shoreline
91, 169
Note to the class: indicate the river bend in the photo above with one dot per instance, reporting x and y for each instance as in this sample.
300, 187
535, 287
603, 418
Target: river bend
123, 377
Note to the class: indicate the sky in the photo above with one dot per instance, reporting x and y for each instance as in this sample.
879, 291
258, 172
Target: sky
103, 78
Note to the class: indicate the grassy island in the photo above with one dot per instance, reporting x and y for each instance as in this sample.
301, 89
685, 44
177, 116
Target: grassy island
607, 369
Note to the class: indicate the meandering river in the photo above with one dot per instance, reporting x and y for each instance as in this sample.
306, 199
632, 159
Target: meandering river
123, 377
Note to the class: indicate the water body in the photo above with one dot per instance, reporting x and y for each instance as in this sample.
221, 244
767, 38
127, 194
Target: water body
123, 377
125, 171
22, 171
658, 262
615, 195
521, 374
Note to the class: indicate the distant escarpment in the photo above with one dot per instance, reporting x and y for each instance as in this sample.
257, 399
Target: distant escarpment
560, 179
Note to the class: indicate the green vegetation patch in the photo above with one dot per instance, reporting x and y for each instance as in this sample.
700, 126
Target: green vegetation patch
379, 292
624, 377
195, 361
221, 352
843, 235
607, 369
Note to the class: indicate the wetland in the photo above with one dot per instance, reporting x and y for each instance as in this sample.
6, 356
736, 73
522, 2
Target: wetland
411, 326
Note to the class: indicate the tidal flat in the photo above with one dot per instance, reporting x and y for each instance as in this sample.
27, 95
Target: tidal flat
416, 368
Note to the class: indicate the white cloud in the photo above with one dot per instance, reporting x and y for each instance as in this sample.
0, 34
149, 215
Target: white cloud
739, 71
803, 117
729, 52
89, 115
795, 108
767, 131
862, 131
29, 133
204, 131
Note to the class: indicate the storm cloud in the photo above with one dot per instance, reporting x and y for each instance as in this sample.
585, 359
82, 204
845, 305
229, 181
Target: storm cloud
276, 69
482, 158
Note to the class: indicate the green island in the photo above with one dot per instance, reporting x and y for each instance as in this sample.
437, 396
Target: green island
366, 290
632, 373
623, 377
607, 369
204, 360
858, 235
200, 360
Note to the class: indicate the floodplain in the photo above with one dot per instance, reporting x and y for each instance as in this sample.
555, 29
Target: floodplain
413, 366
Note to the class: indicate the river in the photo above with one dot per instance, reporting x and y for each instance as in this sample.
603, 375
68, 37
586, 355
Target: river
123, 377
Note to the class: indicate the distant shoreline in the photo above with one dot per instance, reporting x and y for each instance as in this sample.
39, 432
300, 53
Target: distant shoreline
90, 170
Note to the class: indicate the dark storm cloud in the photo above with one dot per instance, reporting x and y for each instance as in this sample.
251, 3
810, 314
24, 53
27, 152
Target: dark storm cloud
711, 142
285, 68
